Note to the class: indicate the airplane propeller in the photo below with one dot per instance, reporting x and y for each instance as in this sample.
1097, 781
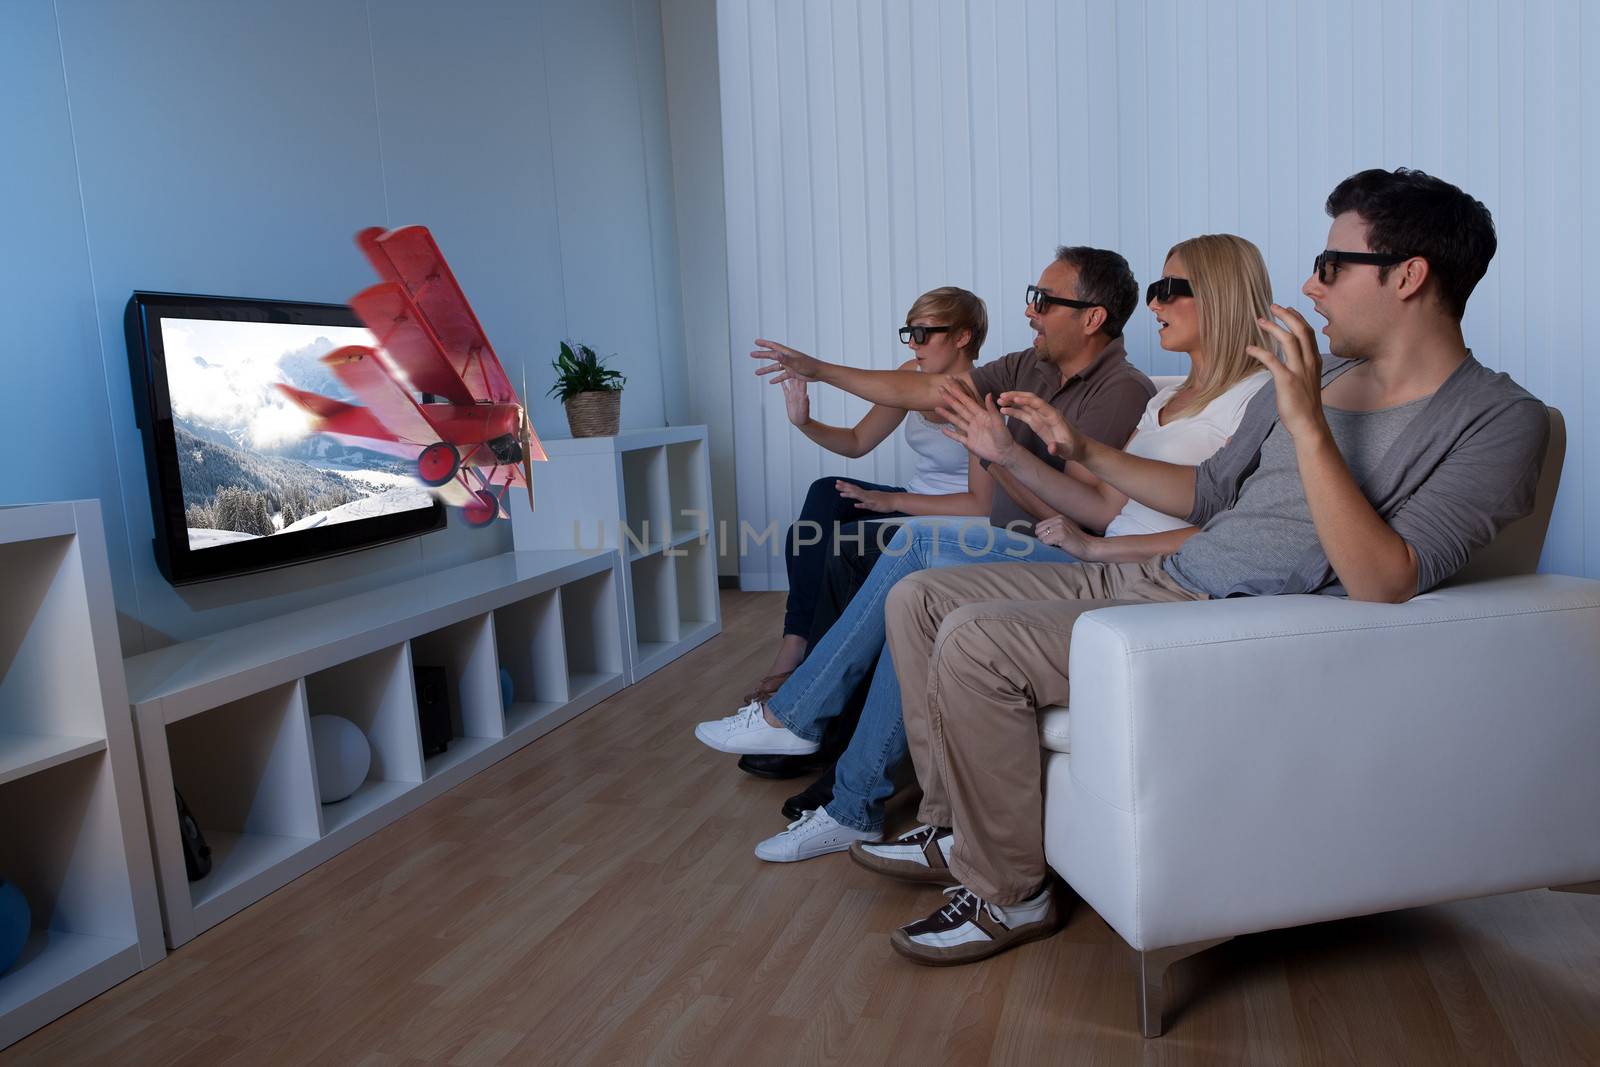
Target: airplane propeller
525, 436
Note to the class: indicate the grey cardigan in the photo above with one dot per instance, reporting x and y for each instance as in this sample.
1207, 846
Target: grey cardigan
1462, 470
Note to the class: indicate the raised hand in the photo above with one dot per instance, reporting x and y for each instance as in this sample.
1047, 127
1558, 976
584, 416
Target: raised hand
1297, 378
870, 499
786, 362
1055, 431
796, 404
979, 427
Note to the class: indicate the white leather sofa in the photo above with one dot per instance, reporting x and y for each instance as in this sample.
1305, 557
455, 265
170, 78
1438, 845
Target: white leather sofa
1242, 765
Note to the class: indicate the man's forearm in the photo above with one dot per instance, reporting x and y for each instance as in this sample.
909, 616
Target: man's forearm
1165, 487
1020, 493
1056, 492
1136, 548
1372, 561
1172, 485
897, 388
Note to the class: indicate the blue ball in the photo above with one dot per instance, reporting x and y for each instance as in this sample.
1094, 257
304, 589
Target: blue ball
16, 922
507, 690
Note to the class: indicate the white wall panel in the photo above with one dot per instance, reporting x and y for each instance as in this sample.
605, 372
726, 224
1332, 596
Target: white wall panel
874, 149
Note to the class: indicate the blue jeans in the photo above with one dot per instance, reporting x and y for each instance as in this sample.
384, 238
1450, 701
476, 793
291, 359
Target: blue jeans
818, 688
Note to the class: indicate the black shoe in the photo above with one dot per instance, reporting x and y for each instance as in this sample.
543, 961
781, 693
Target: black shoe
782, 766
814, 796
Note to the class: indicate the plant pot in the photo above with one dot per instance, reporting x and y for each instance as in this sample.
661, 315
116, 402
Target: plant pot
595, 414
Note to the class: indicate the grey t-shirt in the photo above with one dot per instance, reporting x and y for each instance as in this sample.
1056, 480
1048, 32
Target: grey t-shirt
1252, 548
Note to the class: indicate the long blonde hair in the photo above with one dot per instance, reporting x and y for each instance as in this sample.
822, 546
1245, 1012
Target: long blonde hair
1231, 291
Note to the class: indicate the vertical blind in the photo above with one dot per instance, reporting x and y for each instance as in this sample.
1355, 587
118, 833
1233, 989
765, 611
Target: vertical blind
874, 149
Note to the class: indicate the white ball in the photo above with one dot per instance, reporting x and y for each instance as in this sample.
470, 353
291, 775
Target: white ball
343, 756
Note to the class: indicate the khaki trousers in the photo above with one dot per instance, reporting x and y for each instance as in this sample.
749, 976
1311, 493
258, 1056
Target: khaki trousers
978, 651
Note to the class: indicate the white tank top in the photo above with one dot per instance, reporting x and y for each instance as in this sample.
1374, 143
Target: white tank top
941, 463
1189, 440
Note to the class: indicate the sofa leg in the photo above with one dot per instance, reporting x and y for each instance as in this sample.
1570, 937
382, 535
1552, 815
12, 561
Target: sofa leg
1153, 971
1580, 887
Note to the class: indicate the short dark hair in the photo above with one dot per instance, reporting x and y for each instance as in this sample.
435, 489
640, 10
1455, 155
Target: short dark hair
1410, 213
1104, 278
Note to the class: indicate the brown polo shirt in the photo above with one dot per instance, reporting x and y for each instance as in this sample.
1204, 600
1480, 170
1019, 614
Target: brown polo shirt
1104, 400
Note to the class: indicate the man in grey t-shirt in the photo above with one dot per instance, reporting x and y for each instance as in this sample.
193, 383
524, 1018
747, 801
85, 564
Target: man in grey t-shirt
1380, 473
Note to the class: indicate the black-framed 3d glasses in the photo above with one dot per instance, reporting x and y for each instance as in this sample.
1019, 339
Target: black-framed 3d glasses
920, 334
1327, 264
1038, 299
1167, 290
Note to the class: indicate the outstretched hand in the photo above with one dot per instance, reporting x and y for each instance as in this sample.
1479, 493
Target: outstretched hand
979, 427
1053, 429
787, 363
1297, 378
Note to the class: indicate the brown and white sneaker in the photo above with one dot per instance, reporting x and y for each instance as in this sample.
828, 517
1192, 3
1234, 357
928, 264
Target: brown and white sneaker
920, 855
969, 928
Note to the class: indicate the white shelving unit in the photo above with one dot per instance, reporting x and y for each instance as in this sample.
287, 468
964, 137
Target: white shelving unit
647, 495
73, 836
226, 719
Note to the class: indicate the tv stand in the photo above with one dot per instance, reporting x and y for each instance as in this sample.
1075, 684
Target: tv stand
225, 719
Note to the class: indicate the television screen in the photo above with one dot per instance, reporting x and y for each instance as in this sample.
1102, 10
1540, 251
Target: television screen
239, 481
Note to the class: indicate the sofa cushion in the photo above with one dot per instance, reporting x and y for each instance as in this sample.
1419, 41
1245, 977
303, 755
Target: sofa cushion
1053, 735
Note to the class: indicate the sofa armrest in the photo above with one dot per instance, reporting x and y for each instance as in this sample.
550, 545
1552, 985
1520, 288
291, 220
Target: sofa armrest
1281, 760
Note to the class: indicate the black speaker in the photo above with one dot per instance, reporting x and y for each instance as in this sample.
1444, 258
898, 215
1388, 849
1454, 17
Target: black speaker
196, 853
433, 708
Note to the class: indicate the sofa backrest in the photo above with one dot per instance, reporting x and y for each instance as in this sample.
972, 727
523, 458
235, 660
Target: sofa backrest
1517, 549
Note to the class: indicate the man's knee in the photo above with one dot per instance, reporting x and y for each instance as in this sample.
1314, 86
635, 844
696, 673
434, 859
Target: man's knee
910, 594
960, 629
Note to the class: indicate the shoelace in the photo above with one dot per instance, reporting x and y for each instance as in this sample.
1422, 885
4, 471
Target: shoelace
920, 836
805, 817
744, 715
962, 900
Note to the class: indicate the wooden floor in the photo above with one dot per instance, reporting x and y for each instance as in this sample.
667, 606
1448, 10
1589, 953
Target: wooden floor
594, 899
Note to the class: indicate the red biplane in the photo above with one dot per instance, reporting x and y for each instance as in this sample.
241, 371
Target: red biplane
433, 389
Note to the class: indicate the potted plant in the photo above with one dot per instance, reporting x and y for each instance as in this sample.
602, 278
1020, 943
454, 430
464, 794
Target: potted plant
591, 392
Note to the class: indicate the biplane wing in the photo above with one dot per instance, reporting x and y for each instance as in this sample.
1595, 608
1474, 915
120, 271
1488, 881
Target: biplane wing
388, 400
409, 342
350, 422
409, 257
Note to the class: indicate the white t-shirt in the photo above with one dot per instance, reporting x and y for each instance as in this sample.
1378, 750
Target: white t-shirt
1190, 439
941, 463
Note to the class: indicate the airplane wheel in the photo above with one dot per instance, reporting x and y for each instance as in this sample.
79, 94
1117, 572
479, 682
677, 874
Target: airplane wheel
482, 509
438, 463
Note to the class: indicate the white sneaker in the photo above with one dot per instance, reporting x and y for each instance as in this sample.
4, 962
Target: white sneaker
815, 833
747, 733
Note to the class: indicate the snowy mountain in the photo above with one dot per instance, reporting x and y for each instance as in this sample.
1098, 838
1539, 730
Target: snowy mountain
221, 378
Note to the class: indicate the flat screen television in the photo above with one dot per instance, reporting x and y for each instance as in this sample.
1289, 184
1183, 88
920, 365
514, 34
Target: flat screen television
238, 480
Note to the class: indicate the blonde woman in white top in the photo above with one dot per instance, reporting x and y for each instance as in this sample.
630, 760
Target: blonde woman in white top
1185, 423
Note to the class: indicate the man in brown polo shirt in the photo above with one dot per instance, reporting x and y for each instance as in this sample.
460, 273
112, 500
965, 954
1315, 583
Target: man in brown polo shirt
1077, 363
